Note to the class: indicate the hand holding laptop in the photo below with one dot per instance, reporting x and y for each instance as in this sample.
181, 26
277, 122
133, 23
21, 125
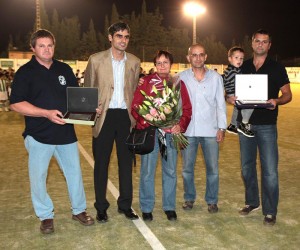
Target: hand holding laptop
55, 116
274, 104
231, 99
99, 109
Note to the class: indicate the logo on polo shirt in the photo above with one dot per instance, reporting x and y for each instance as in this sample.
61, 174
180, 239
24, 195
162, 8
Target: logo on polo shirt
62, 80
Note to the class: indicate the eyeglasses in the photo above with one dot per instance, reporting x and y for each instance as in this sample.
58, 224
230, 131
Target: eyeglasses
261, 41
197, 55
159, 64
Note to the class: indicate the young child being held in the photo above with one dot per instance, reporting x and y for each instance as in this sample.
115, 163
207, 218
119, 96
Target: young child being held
236, 58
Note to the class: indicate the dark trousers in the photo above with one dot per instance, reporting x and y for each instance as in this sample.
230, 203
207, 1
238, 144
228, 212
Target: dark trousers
116, 128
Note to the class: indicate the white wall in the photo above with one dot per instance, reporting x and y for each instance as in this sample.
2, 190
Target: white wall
5, 63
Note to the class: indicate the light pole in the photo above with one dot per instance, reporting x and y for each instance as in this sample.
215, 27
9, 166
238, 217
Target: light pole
37, 15
194, 29
194, 9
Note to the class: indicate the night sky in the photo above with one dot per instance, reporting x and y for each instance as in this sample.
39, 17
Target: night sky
226, 19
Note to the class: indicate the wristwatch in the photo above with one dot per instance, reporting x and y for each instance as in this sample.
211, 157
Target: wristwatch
222, 129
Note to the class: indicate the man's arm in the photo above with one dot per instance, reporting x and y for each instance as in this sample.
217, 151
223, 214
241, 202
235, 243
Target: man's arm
89, 77
286, 96
27, 109
221, 113
89, 81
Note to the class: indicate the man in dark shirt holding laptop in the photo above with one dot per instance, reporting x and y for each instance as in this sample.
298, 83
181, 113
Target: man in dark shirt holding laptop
263, 124
39, 93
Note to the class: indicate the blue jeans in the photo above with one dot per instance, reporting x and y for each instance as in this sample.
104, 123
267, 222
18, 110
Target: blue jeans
265, 141
210, 149
169, 177
67, 157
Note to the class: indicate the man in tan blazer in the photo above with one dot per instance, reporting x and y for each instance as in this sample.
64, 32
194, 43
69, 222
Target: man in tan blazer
116, 74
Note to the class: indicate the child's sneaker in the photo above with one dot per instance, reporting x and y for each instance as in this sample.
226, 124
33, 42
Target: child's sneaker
244, 128
232, 129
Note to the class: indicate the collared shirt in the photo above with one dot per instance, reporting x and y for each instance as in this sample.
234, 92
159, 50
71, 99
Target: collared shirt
117, 100
46, 89
277, 78
208, 103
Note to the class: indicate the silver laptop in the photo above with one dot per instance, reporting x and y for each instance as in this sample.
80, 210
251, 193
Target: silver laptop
251, 88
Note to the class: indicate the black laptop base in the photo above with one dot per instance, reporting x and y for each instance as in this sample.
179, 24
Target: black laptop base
240, 105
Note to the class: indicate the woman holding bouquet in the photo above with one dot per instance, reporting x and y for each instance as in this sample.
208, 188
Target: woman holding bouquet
159, 89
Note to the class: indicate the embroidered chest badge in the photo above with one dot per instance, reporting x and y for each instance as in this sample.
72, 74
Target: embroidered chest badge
62, 80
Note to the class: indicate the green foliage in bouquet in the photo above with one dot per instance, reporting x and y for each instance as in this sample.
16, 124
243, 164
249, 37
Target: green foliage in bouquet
163, 110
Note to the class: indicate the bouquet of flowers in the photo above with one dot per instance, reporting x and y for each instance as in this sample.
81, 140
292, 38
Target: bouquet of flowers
164, 109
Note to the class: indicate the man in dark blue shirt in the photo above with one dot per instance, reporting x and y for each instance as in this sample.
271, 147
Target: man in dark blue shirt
39, 93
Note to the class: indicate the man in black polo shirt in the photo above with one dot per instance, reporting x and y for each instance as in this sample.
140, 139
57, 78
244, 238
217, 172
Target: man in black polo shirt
39, 93
263, 124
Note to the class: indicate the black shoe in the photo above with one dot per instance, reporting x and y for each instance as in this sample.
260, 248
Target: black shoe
147, 216
129, 214
244, 128
269, 220
102, 216
171, 215
248, 209
232, 129
212, 208
188, 205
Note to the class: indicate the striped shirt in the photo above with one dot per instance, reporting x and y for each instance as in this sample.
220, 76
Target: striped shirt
229, 79
117, 100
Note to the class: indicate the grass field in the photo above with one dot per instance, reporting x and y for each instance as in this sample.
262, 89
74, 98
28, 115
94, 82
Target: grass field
195, 229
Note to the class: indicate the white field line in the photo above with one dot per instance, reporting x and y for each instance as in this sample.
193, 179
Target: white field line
140, 224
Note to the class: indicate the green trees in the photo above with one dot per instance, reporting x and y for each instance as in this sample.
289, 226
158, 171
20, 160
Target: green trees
147, 36
216, 51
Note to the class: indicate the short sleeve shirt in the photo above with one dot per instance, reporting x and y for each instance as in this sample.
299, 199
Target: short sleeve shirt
277, 78
45, 88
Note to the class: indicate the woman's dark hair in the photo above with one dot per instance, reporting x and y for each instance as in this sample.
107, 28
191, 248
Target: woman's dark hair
165, 53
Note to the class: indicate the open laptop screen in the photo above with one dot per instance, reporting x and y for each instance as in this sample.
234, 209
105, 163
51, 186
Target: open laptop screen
251, 87
252, 91
82, 99
82, 103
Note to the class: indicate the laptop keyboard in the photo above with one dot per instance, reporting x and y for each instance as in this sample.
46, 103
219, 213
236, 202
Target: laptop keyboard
85, 117
254, 102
